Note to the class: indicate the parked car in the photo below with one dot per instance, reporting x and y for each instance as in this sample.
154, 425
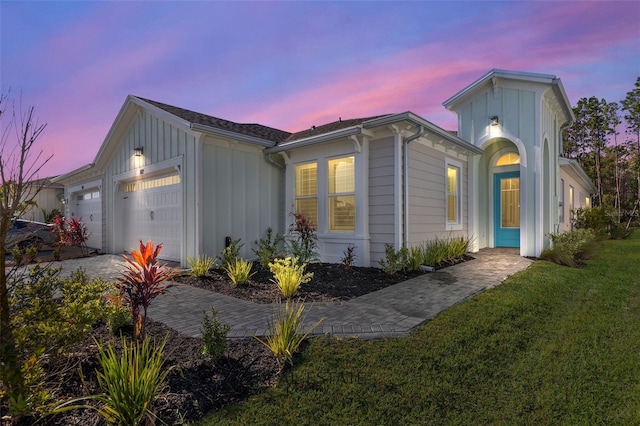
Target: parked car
27, 233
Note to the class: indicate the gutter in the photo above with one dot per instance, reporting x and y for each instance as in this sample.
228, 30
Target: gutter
73, 173
405, 183
313, 140
270, 160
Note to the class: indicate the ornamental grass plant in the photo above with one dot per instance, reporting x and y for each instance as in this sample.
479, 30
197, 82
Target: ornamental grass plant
239, 270
289, 275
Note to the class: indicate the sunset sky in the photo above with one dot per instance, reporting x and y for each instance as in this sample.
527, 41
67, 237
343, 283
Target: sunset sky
291, 65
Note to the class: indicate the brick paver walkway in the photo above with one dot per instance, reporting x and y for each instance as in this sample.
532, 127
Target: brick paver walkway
393, 311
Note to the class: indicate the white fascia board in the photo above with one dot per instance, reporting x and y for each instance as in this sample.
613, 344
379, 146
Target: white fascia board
312, 140
498, 73
430, 127
570, 164
231, 135
73, 173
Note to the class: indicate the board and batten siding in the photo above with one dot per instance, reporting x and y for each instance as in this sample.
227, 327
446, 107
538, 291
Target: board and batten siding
381, 196
242, 196
427, 196
163, 142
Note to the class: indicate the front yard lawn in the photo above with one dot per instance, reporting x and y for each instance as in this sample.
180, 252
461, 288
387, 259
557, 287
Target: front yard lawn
552, 345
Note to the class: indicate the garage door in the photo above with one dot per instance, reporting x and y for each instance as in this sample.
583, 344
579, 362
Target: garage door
152, 210
88, 209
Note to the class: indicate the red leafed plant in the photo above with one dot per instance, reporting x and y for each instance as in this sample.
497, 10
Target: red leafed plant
72, 232
144, 280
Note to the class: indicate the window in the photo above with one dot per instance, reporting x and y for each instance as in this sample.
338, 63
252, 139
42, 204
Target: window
152, 183
453, 194
307, 191
570, 199
341, 194
561, 218
587, 202
508, 159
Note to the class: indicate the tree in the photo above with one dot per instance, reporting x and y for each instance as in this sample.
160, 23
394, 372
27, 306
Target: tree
631, 105
19, 168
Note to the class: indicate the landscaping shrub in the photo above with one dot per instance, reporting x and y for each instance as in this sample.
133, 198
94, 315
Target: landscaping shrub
289, 275
130, 382
414, 258
603, 221
45, 326
239, 270
143, 280
348, 257
268, 248
304, 246
393, 261
200, 265
214, 336
568, 247
72, 232
286, 332
230, 253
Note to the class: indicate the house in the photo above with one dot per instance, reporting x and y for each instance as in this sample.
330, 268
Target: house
192, 181
48, 198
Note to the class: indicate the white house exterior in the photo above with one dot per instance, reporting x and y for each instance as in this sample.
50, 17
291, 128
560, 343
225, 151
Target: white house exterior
191, 181
517, 119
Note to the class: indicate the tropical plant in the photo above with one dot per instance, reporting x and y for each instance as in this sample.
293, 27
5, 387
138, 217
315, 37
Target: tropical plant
200, 265
214, 336
239, 271
129, 382
268, 248
49, 215
414, 258
72, 232
348, 257
286, 332
289, 275
393, 261
144, 279
304, 243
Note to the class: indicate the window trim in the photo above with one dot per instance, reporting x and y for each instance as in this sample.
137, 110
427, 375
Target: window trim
314, 196
456, 225
561, 218
331, 195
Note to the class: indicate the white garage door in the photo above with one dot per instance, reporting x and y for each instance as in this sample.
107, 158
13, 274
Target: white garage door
88, 209
152, 210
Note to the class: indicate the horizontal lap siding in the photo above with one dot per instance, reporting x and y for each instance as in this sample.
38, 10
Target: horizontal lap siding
381, 196
427, 197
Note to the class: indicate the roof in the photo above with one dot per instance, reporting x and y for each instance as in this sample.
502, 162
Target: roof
493, 77
330, 127
573, 167
253, 130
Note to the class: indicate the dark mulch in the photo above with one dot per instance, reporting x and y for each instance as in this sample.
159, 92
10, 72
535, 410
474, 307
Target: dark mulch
195, 388
330, 282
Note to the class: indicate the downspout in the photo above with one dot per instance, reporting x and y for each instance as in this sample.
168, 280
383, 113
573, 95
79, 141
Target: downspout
268, 159
405, 184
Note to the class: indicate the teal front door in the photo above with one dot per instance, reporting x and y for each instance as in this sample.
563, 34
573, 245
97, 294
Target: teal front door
506, 208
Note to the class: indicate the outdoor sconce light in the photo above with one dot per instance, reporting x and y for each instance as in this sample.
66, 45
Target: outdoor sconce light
494, 120
138, 152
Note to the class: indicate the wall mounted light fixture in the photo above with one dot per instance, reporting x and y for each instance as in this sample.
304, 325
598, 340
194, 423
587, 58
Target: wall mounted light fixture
138, 151
494, 120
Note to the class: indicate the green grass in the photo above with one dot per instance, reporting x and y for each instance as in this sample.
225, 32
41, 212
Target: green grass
552, 345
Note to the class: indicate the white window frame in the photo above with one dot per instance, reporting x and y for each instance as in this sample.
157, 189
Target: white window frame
315, 196
331, 195
457, 225
561, 219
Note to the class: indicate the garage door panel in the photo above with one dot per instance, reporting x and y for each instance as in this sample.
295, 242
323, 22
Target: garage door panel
154, 214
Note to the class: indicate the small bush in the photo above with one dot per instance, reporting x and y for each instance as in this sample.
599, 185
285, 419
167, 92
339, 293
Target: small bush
289, 275
394, 261
214, 336
414, 258
567, 247
286, 332
304, 246
239, 271
130, 382
230, 253
17, 254
118, 315
348, 257
603, 221
200, 265
268, 248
